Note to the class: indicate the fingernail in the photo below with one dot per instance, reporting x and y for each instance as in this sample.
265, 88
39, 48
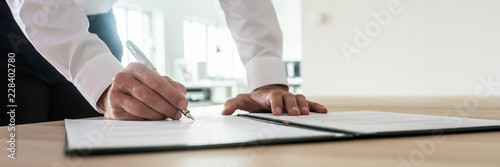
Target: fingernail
279, 111
305, 109
224, 110
178, 115
295, 109
182, 104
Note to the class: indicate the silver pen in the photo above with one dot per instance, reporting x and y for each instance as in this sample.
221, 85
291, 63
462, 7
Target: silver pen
143, 59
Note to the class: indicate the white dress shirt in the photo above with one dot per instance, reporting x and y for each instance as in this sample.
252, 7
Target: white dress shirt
59, 32
92, 7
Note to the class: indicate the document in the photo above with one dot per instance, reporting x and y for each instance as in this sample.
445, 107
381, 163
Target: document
213, 130
378, 122
206, 131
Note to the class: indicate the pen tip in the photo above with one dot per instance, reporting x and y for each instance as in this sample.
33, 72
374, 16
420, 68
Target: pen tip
189, 116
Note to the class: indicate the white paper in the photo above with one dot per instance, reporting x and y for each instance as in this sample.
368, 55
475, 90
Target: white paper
375, 121
206, 130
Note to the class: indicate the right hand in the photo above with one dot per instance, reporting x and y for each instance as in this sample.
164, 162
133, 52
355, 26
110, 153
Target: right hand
139, 93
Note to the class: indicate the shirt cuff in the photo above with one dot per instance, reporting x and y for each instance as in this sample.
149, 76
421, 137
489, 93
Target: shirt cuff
96, 76
262, 71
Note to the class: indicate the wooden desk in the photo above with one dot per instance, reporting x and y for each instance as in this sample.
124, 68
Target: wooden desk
42, 144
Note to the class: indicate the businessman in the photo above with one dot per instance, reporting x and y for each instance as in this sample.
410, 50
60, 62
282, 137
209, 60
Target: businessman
59, 32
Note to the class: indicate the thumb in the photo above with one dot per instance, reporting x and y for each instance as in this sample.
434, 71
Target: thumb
229, 107
233, 104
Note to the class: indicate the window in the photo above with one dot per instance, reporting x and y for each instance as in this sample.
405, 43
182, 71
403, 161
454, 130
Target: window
214, 46
136, 25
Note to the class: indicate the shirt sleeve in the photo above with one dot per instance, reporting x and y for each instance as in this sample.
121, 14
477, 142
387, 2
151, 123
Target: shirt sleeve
59, 32
255, 29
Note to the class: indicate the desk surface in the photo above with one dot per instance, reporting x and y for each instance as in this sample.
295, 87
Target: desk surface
42, 144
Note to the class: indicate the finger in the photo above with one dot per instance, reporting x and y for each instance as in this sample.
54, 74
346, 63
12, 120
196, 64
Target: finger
276, 100
316, 107
137, 108
177, 116
233, 104
122, 107
291, 104
302, 103
117, 113
168, 78
144, 94
177, 85
157, 83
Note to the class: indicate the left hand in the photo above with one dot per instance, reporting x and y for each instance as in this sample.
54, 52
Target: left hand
273, 98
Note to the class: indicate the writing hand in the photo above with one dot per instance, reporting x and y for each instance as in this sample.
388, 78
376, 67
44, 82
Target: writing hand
139, 93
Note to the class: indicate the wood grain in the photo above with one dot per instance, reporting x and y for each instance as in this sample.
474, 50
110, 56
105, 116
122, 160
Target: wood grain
42, 144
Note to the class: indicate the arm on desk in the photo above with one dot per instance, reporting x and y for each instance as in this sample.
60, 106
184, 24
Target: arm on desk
255, 29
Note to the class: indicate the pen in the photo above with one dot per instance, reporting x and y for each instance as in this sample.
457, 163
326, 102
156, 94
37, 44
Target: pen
143, 59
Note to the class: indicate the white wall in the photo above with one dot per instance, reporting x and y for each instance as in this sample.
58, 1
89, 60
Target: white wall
430, 48
288, 12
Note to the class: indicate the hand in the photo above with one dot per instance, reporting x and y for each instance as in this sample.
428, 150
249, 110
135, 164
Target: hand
273, 98
139, 93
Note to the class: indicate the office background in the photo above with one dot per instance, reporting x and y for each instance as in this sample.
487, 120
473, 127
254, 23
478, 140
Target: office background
431, 48
331, 47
